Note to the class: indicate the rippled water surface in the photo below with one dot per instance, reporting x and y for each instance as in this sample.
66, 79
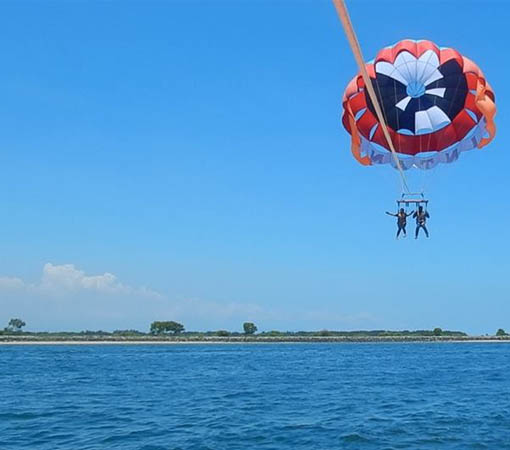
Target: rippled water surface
267, 396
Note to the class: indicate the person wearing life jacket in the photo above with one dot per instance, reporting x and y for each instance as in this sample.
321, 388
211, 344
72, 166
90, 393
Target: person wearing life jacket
421, 217
401, 220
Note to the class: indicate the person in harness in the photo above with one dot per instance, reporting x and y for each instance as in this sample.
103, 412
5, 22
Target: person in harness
401, 220
421, 217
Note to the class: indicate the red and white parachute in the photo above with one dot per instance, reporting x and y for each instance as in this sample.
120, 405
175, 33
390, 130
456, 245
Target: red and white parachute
436, 104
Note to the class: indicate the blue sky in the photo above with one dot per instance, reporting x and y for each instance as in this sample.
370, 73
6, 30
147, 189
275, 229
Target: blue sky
194, 150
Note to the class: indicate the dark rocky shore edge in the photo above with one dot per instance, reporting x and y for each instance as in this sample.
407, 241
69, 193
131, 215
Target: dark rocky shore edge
98, 339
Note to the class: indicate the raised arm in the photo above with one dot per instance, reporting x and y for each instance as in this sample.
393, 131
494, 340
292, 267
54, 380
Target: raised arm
391, 214
410, 214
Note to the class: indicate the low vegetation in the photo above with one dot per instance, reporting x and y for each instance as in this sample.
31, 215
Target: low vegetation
175, 331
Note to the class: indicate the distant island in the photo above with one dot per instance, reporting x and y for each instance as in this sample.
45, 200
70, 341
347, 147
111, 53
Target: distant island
174, 332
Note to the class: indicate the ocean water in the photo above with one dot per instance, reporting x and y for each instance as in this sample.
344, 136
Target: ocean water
255, 396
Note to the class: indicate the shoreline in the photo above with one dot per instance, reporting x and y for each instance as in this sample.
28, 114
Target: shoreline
31, 340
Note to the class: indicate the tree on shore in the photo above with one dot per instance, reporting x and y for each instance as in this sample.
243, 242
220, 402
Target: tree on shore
501, 332
249, 328
163, 327
437, 332
15, 325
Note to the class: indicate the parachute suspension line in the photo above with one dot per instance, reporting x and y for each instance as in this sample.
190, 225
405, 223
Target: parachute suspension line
341, 9
425, 177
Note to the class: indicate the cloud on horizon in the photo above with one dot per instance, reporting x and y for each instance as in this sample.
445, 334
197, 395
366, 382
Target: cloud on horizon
66, 278
66, 298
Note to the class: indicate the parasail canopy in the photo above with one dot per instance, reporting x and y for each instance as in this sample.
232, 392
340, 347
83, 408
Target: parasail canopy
436, 104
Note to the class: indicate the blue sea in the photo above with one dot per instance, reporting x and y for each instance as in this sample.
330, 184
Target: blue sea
255, 396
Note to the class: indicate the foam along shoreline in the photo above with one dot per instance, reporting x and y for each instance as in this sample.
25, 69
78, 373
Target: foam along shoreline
100, 340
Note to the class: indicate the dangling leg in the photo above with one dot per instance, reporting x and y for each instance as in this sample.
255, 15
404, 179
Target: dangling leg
417, 231
404, 230
398, 231
426, 231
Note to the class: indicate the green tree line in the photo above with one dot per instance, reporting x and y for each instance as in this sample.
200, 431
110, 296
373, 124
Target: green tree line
171, 327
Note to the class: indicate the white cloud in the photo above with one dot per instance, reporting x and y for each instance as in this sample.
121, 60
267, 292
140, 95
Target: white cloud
8, 283
66, 297
66, 278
